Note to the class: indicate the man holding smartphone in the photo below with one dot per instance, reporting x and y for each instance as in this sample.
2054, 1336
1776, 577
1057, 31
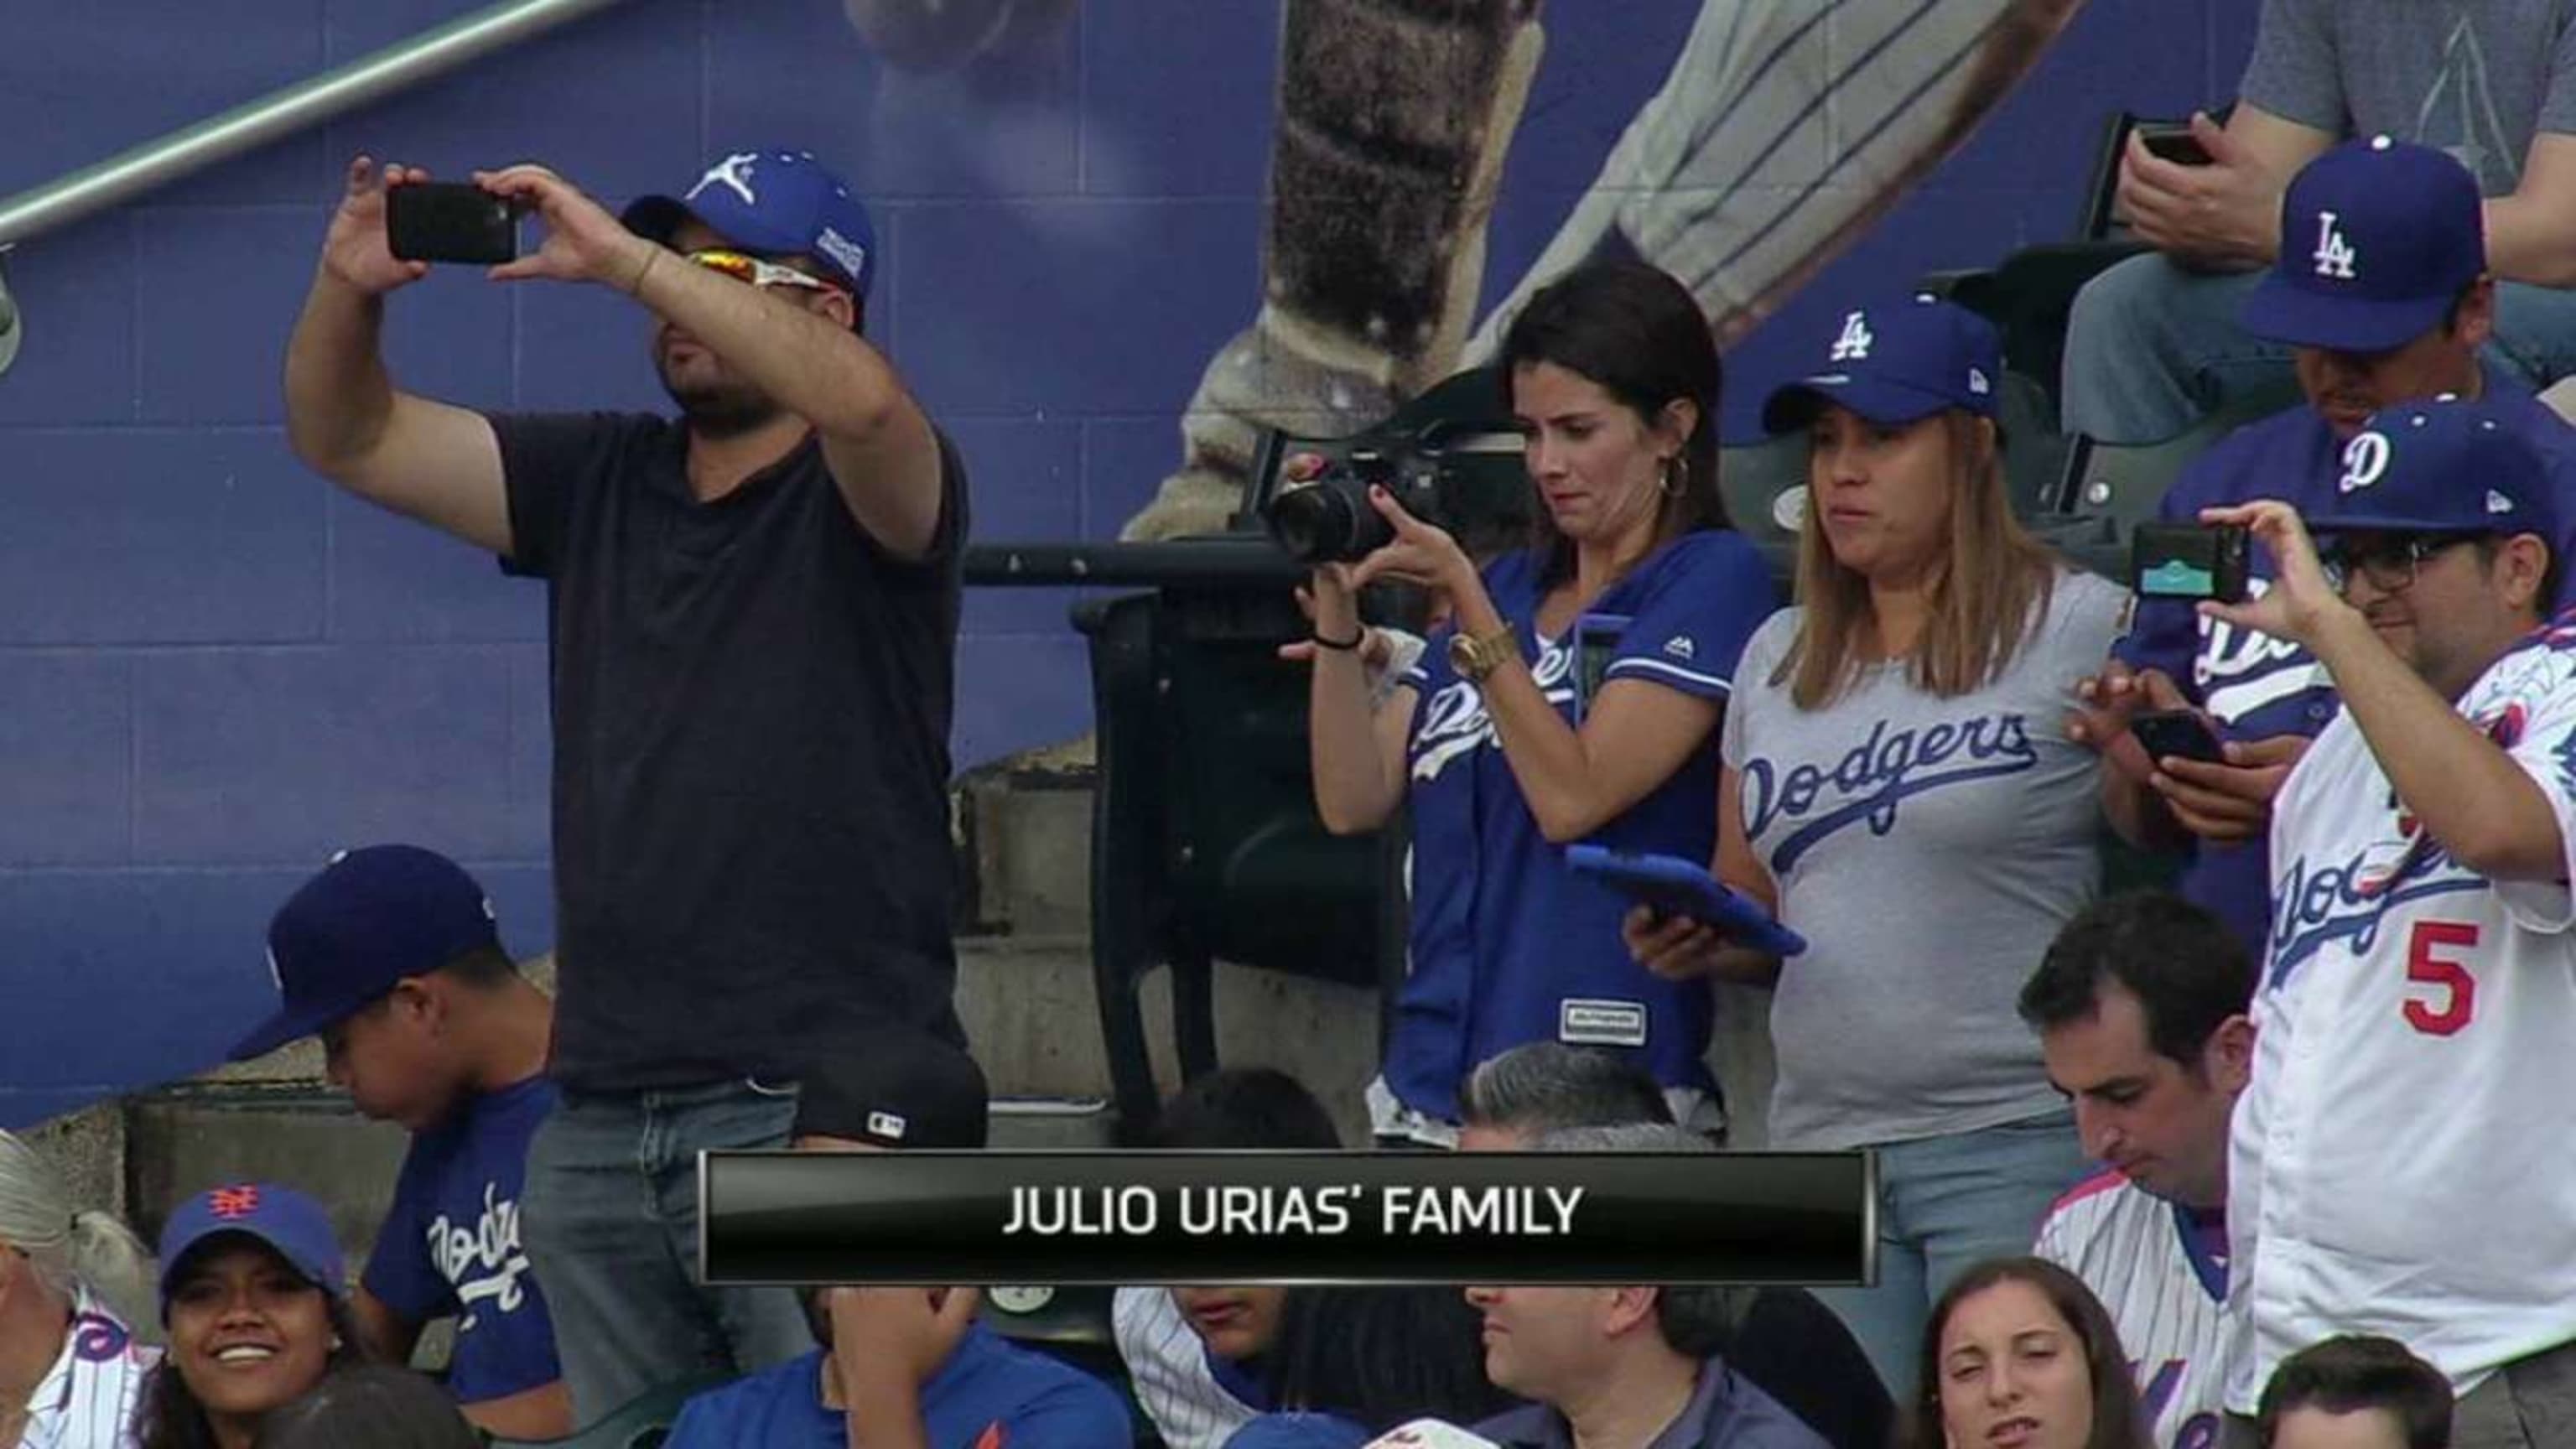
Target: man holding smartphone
754, 615
2413, 1015
2399, 314
2153, 343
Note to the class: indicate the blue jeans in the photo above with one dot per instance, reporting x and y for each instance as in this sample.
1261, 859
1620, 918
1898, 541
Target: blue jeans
609, 1218
1944, 1205
2151, 348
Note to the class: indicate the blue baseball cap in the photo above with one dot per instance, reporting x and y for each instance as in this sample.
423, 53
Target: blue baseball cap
2443, 466
1896, 362
2377, 238
286, 1220
371, 918
773, 201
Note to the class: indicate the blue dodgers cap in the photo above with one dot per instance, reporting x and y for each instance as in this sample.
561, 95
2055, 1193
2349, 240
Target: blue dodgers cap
2377, 238
371, 918
288, 1221
776, 202
2443, 466
1896, 362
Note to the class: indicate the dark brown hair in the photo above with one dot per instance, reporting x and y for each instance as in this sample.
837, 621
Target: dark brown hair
2117, 1421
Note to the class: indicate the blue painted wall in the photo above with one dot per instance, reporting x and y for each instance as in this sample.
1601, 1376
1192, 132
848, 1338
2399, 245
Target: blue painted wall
214, 668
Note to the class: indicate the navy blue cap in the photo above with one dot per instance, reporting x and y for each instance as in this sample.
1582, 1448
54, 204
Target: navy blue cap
371, 918
2377, 238
776, 202
2443, 466
1896, 362
288, 1221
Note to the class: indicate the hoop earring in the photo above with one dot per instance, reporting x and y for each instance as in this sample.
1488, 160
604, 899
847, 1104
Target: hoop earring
1676, 473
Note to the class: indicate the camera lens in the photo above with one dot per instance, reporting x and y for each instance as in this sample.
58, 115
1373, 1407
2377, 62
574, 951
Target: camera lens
1307, 525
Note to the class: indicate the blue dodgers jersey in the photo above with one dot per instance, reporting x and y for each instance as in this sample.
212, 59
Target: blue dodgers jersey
450, 1244
991, 1394
2253, 685
1507, 946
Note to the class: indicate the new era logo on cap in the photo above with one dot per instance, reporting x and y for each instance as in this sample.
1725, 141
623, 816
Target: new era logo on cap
2498, 503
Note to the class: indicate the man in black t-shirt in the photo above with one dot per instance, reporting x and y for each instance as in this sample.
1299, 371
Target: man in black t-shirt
754, 614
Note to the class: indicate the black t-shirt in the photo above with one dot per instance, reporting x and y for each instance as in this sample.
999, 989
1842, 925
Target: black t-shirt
751, 706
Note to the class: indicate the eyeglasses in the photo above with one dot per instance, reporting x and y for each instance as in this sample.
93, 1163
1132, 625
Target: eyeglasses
759, 271
2389, 562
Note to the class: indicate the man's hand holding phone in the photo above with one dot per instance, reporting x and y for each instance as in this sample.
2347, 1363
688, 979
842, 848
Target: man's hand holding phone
357, 251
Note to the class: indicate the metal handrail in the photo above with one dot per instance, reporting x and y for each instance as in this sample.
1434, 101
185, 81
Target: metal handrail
282, 112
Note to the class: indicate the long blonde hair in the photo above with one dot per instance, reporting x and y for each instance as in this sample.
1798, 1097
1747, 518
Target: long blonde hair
70, 1246
1987, 591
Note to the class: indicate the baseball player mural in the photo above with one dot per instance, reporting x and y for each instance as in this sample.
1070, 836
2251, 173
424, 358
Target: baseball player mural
1780, 134
2414, 1014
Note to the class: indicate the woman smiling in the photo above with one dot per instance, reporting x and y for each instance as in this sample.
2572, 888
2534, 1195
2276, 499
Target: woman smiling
256, 1306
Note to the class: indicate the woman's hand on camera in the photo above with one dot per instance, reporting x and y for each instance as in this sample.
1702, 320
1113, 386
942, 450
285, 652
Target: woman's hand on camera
1422, 553
1676, 948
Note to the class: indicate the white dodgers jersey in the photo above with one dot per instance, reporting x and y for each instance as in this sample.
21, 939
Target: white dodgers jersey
2144, 1259
2398, 1165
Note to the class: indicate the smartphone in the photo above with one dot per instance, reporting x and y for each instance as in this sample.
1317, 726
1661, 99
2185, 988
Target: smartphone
1596, 644
2172, 141
2189, 561
2177, 733
1672, 886
447, 221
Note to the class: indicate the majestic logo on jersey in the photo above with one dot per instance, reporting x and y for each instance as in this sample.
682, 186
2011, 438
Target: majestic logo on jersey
733, 173
2334, 255
1853, 344
1680, 647
2365, 458
483, 1261
1454, 720
1876, 776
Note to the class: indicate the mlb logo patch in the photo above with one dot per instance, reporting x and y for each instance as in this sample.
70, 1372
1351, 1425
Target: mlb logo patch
887, 1124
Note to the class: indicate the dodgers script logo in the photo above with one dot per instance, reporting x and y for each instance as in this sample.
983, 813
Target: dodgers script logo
2239, 670
1454, 719
1869, 783
483, 1261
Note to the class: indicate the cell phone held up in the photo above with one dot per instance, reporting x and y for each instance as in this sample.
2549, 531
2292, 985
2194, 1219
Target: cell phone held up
445, 221
2176, 734
2172, 141
2190, 561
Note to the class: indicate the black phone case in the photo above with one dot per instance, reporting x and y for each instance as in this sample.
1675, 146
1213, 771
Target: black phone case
449, 222
2223, 554
2177, 733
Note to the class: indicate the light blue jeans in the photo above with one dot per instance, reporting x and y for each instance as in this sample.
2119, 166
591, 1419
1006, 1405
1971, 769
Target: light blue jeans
609, 1218
1946, 1204
2152, 348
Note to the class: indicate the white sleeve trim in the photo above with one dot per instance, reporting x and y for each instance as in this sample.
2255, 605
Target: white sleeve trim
1648, 664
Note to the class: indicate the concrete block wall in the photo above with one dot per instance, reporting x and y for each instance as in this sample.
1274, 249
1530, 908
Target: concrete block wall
214, 669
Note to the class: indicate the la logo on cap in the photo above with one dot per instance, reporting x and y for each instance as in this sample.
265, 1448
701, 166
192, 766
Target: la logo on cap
1853, 344
2334, 254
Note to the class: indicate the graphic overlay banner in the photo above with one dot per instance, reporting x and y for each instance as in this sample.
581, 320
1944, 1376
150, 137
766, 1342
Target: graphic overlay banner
1070, 1218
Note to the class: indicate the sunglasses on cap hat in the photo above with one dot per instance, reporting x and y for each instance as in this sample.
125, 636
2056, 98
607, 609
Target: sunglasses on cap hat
760, 272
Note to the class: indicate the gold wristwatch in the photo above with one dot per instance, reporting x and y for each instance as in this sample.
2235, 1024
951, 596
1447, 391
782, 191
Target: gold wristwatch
1473, 656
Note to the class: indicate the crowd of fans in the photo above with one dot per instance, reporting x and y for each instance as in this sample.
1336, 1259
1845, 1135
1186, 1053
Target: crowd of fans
2262, 1162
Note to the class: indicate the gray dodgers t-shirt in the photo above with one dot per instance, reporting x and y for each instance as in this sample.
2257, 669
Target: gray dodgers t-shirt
2476, 78
1928, 849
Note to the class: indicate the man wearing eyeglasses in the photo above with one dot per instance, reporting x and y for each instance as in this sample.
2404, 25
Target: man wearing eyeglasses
2382, 292
754, 614
2393, 1167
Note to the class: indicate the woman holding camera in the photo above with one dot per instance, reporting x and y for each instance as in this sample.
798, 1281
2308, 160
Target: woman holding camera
1896, 788
1614, 379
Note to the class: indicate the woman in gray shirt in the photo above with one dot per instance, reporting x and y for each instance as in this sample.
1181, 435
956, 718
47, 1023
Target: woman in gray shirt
1897, 789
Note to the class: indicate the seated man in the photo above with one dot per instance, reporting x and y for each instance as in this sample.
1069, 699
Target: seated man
2140, 1007
1194, 1354
2391, 1165
2404, 320
2153, 343
1548, 1096
904, 1368
1628, 1368
391, 956
2355, 1392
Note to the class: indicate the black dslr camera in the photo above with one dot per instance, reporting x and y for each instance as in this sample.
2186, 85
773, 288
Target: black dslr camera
1451, 457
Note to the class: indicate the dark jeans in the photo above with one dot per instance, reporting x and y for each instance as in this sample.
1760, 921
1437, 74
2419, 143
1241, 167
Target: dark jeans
610, 1221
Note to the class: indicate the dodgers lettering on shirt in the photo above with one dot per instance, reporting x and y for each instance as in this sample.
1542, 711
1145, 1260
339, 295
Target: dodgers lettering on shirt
1506, 946
1870, 784
2411, 1029
451, 1244
2253, 685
